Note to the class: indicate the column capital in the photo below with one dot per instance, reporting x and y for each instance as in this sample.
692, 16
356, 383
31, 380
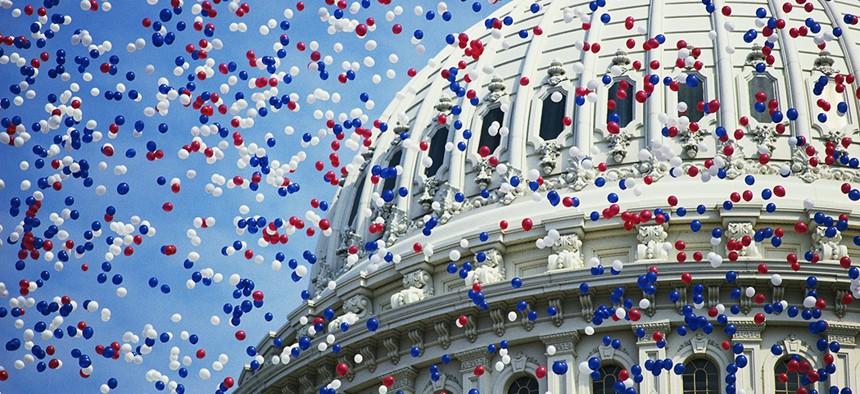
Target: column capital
747, 330
564, 342
469, 359
650, 328
844, 333
404, 378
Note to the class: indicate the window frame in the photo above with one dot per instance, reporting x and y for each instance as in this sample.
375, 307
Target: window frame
693, 373
703, 82
446, 155
631, 96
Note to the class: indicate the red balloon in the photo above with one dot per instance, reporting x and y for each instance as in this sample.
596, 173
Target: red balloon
527, 224
540, 372
388, 381
342, 369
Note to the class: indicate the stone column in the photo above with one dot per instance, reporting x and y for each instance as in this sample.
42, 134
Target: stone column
565, 350
470, 359
648, 350
749, 334
404, 380
846, 335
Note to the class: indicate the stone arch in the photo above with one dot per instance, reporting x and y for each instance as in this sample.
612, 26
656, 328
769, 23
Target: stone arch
698, 346
446, 382
521, 365
791, 345
608, 353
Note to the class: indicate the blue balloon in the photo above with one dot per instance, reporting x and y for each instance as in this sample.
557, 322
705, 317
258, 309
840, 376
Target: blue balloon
559, 367
372, 324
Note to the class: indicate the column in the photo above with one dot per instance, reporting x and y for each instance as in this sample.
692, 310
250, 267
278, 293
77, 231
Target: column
565, 350
648, 350
749, 334
470, 359
404, 380
846, 335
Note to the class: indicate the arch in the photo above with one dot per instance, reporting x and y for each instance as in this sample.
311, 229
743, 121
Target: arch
701, 376
445, 384
524, 384
437, 151
696, 347
609, 372
491, 139
765, 83
793, 381
521, 365
608, 355
834, 123
792, 346
692, 95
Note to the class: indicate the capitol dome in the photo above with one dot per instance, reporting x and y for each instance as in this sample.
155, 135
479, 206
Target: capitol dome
710, 149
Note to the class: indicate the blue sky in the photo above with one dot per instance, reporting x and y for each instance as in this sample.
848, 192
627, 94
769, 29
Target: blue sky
143, 304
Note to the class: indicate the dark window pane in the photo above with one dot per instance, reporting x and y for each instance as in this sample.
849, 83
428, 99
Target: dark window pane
524, 385
692, 95
357, 202
608, 377
437, 151
793, 383
552, 118
391, 182
761, 83
701, 377
491, 141
623, 107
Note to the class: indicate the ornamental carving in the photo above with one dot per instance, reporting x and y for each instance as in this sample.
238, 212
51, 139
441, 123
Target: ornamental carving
528, 325
567, 253
682, 299
575, 176
498, 317
306, 380
347, 359
549, 153
618, 144
713, 296
322, 277
650, 328
396, 222
793, 345
428, 192
558, 319
765, 137
737, 231
839, 308
828, 248
651, 310
845, 334
368, 353
348, 239
404, 378
489, 271
755, 56
651, 239
392, 344
824, 64
443, 333
747, 330
484, 175
416, 336
587, 307
496, 88
417, 285
355, 308
800, 166
564, 342
441, 384
621, 61
326, 372
444, 105
520, 361
746, 302
472, 358
471, 328
690, 141
555, 73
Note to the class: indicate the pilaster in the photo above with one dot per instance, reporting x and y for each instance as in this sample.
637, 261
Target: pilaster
565, 351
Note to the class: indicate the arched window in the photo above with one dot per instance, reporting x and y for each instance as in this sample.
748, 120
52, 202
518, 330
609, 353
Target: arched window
552, 117
357, 197
437, 151
524, 385
391, 180
834, 121
790, 382
620, 103
691, 92
761, 83
701, 376
491, 141
608, 376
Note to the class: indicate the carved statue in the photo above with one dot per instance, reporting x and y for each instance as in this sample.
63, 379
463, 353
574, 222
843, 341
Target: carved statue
829, 248
418, 285
737, 231
567, 253
490, 271
549, 153
651, 239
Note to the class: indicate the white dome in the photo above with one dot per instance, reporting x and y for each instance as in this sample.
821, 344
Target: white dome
590, 194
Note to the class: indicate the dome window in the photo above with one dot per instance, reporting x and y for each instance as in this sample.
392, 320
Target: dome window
524, 385
761, 85
552, 116
359, 189
609, 374
436, 151
620, 103
692, 92
490, 136
391, 178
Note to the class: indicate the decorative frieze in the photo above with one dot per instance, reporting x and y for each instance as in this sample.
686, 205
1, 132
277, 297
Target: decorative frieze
747, 330
618, 145
567, 253
404, 379
564, 342
472, 358
443, 332
651, 239
845, 334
